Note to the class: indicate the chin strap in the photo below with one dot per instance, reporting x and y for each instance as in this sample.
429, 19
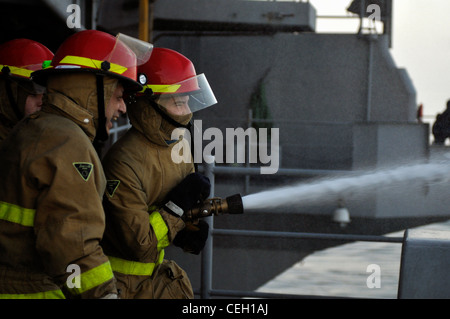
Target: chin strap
101, 133
167, 117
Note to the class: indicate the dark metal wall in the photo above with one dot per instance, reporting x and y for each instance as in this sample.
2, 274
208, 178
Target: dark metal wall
32, 20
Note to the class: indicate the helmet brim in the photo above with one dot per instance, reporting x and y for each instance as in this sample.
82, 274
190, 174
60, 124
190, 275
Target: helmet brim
197, 88
41, 77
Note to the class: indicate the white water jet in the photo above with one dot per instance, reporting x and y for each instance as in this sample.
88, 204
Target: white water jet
322, 190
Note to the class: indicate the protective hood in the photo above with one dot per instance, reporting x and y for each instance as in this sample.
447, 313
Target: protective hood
8, 116
75, 96
151, 124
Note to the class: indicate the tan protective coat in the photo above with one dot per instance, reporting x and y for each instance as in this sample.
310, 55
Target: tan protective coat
49, 168
142, 172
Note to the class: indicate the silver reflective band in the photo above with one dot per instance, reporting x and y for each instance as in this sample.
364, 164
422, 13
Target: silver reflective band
174, 208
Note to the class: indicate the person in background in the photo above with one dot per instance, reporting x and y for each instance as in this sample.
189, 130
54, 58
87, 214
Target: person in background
51, 213
441, 127
148, 189
19, 95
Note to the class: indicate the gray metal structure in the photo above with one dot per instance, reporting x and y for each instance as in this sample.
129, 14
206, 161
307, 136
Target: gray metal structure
425, 262
339, 101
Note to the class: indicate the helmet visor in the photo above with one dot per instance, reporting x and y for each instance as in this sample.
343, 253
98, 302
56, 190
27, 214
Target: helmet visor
185, 97
141, 49
30, 87
21, 76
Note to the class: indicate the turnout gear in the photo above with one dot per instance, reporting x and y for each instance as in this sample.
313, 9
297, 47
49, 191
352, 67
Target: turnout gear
192, 190
143, 178
51, 214
18, 59
23, 56
192, 239
105, 55
140, 173
53, 217
115, 57
170, 74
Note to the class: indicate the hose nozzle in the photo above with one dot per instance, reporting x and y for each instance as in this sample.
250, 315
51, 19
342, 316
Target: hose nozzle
216, 206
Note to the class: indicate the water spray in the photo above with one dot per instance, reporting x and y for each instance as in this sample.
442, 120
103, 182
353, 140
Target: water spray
322, 190
338, 188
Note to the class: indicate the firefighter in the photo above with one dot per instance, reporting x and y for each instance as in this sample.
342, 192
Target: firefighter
51, 214
148, 191
19, 95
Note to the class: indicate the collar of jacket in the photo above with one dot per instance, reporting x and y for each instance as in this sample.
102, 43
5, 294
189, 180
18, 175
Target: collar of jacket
149, 123
75, 96
60, 104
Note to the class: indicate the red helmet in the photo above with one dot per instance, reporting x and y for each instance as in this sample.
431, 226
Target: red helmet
22, 57
169, 72
165, 69
98, 52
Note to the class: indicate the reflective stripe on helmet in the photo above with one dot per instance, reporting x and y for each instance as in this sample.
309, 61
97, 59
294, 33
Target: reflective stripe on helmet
93, 278
17, 214
161, 88
90, 63
54, 294
17, 71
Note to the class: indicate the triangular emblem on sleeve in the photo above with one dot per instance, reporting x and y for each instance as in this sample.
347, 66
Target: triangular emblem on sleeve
111, 187
84, 169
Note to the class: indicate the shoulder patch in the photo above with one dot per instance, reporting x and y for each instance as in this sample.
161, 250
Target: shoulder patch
84, 169
111, 187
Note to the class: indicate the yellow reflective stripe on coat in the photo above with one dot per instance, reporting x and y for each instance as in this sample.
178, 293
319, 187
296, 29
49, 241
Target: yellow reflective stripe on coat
163, 88
93, 278
16, 214
128, 267
17, 71
91, 63
54, 294
160, 228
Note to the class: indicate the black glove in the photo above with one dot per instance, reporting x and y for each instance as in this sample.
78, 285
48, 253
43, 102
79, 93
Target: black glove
193, 237
193, 189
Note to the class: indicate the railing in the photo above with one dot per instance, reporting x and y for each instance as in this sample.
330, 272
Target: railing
206, 290
210, 170
116, 129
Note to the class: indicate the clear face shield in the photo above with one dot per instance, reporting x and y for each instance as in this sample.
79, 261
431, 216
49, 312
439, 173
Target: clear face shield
185, 97
21, 76
33, 88
30, 87
141, 49
127, 54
